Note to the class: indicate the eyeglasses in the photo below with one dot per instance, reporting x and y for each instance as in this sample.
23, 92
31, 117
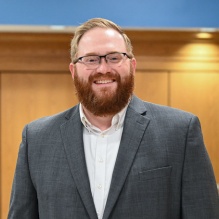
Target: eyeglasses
112, 59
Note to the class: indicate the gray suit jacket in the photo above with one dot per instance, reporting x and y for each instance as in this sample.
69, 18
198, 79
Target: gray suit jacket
162, 169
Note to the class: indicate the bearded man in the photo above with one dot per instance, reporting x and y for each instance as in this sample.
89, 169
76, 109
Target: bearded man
113, 156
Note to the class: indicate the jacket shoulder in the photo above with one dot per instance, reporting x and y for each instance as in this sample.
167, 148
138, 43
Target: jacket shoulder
156, 110
53, 121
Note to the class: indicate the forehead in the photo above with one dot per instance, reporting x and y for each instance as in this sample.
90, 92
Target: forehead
100, 41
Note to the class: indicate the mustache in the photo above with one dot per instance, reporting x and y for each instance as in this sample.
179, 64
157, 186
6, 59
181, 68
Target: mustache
107, 76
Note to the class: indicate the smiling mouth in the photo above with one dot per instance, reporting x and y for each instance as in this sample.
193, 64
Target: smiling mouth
104, 81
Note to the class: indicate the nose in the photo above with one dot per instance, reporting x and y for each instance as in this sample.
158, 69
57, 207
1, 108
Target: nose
103, 66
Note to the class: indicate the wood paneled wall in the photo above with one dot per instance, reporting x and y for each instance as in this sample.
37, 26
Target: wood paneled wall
174, 68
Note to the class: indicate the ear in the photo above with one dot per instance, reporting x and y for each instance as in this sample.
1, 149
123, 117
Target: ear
72, 70
133, 63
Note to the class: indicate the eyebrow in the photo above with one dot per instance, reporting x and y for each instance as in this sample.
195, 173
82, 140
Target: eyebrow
95, 54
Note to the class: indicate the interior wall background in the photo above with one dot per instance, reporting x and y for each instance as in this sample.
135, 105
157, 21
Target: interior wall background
174, 68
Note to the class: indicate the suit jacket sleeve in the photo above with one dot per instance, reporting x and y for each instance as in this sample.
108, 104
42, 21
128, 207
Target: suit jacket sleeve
23, 203
199, 193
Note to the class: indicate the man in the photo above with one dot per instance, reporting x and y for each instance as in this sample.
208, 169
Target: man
113, 156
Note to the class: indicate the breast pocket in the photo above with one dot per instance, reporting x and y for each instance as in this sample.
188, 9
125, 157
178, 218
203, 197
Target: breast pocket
155, 173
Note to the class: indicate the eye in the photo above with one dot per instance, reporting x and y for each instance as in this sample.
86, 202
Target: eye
91, 59
115, 57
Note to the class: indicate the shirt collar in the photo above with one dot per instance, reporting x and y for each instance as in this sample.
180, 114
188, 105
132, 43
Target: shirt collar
117, 121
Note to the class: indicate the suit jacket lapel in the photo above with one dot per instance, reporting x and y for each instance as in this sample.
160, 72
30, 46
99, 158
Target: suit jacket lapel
134, 128
73, 143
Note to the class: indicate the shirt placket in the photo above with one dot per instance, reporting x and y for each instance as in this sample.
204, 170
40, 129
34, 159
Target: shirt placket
100, 173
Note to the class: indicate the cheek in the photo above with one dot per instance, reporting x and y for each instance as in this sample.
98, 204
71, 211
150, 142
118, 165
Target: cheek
82, 75
124, 71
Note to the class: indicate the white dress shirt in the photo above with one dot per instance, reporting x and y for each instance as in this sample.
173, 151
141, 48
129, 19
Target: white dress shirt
101, 149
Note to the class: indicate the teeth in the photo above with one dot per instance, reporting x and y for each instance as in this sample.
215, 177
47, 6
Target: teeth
104, 81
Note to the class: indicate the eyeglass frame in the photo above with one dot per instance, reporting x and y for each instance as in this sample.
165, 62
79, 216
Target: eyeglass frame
78, 60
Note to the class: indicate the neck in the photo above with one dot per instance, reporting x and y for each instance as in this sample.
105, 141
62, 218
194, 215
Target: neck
101, 122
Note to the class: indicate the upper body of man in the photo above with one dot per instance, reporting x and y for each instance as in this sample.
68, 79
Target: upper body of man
113, 156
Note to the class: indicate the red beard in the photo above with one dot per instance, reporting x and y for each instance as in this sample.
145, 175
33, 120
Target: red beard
107, 102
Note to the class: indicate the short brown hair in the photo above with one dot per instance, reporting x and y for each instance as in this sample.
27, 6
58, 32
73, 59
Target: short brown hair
97, 22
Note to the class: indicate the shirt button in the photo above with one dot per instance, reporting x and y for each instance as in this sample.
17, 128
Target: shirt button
98, 214
99, 186
100, 160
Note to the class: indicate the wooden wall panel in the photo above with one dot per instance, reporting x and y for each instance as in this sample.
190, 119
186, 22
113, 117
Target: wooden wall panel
26, 97
34, 52
199, 93
152, 86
